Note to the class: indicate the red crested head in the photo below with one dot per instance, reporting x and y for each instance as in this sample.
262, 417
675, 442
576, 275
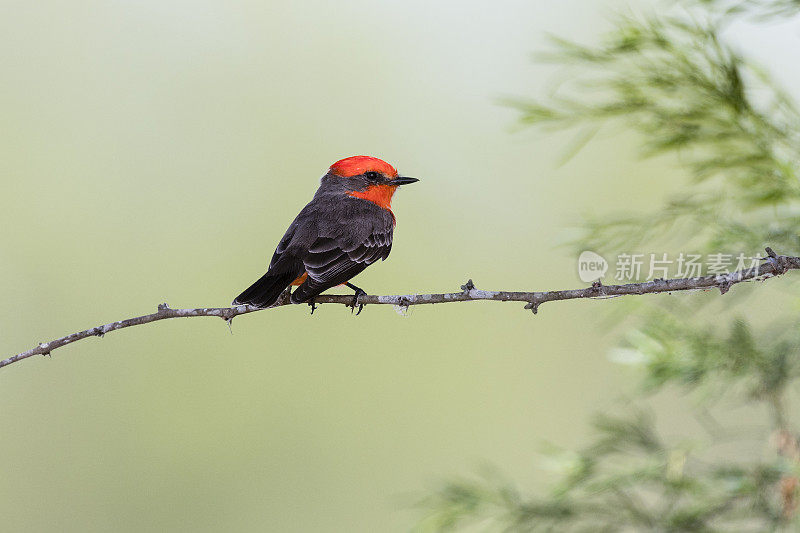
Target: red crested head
359, 164
364, 177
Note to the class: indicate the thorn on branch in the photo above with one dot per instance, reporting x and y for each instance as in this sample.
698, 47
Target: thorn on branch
45, 345
163, 307
597, 287
724, 284
779, 262
533, 306
402, 306
468, 286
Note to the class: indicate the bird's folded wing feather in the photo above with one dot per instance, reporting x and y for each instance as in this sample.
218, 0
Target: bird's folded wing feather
331, 261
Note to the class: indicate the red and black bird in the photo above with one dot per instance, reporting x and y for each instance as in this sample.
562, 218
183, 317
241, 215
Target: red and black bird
346, 227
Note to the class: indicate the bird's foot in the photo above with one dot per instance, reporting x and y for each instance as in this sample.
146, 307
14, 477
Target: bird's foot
313, 305
359, 293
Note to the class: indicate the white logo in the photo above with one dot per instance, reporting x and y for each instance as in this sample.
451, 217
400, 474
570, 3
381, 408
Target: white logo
591, 266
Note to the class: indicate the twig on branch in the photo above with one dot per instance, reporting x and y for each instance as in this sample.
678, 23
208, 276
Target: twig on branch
775, 265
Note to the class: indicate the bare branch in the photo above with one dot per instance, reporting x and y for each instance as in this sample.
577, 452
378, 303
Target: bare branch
774, 265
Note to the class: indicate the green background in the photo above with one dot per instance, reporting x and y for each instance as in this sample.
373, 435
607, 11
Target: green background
156, 151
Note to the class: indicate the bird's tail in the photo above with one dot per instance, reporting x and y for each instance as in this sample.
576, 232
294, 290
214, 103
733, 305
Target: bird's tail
265, 292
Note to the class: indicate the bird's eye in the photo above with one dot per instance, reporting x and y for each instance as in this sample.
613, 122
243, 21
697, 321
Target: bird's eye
372, 176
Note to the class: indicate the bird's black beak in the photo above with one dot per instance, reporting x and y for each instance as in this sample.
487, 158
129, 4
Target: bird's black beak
403, 180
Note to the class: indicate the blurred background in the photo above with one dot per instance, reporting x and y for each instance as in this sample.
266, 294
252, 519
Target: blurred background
156, 152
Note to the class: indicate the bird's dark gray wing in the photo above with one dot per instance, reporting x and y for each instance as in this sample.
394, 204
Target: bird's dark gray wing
333, 260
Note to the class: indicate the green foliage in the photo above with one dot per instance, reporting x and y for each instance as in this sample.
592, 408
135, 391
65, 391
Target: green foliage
675, 351
686, 93
762, 9
627, 480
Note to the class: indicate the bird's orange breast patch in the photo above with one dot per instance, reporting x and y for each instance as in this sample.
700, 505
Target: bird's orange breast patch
380, 195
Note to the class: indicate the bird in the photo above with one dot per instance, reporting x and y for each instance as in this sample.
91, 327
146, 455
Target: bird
347, 226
